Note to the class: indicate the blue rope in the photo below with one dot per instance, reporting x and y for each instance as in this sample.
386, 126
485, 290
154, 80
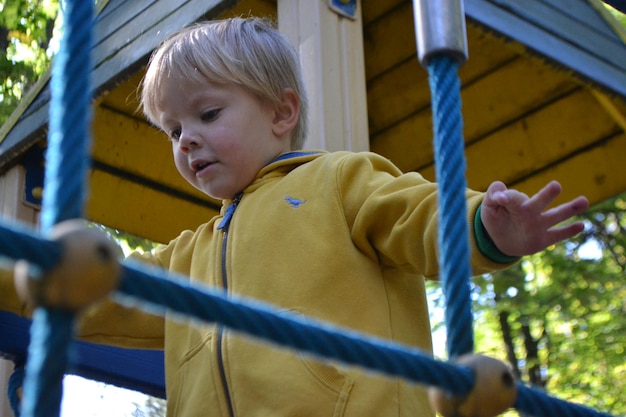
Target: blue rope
52, 330
66, 165
159, 293
17, 242
15, 383
46, 366
454, 252
67, 156
261, 321
534, 402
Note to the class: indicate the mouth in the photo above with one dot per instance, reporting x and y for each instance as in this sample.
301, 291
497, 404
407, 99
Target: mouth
200, 165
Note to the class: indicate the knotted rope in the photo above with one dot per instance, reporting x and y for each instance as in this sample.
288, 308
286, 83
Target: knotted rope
65, 174
66, 166
454, 252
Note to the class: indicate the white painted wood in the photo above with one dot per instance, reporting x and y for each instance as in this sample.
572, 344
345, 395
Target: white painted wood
331, 54
12, 208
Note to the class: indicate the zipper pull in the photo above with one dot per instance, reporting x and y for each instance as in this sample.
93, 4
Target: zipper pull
230, 211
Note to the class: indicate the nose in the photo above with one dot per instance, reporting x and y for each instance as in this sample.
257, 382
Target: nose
188, 141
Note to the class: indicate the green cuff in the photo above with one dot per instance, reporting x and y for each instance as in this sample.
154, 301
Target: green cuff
486, 245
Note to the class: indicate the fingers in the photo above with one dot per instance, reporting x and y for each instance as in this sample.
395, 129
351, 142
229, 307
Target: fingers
496, 194
544, 197
558, 234
565, 211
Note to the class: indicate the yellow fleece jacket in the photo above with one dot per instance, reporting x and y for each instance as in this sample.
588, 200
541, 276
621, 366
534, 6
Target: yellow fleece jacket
341, 237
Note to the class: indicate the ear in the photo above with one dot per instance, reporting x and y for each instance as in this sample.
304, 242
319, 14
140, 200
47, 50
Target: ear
287, 113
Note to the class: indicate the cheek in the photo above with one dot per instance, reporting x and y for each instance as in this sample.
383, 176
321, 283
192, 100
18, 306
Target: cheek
180, 161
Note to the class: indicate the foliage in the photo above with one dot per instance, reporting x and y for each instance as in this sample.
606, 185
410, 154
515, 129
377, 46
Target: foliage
26, 29
559, 317
621, 17
126, 241
153, 407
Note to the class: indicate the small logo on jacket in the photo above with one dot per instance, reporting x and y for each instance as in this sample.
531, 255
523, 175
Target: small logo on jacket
294, 202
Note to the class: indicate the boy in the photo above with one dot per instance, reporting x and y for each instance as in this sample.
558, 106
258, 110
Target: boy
341, 237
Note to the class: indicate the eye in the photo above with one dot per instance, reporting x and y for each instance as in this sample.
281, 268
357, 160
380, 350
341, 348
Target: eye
210, 115
174, 134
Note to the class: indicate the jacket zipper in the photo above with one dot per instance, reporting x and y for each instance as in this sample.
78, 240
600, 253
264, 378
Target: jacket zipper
224, 226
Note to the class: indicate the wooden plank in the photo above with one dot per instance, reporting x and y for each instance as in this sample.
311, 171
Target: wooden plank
6, 370
135, 369
560, 53
11, 198
331, 55
615, 108
135, 54
142, 19
409, 81
568, 130
517, 88
397, 94
259, 8
389, 41
133, 147
27, 132
115, 17
536, 12
579, 11
139, 210
125, 97
540, 139
599, 173
376, 9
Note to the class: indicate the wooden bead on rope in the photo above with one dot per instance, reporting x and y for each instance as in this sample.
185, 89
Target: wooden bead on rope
494, 391
88, 270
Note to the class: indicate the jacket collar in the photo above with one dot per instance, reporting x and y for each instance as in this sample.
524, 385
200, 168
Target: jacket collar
292, 158
295, 154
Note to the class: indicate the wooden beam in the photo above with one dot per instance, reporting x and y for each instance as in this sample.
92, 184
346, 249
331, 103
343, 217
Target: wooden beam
331, 53
615, 108
132, 207
599, 173
12, 209
489, 103
403, 90
552, 144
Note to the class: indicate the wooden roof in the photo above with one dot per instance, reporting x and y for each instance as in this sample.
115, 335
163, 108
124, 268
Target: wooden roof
543, 96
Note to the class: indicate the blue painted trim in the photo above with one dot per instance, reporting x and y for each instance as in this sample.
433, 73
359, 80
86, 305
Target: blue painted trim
345, 8
544, 42
135, 369
295, 154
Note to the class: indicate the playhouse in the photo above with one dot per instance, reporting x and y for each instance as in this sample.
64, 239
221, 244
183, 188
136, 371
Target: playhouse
544, 97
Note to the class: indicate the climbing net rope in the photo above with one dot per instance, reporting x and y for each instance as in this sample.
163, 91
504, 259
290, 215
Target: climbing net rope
158, 291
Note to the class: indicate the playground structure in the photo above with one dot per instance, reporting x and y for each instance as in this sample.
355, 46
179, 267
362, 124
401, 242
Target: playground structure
598, 100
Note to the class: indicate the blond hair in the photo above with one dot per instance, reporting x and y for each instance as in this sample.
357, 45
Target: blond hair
249, 52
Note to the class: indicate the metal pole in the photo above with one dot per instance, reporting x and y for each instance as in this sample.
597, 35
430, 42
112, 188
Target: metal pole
440, 29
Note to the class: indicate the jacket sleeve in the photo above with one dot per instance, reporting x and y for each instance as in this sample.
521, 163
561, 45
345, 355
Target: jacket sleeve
393, 215
9, 300
123, 325
106, 322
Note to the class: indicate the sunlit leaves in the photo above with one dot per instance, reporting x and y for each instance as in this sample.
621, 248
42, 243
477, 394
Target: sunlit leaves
26, 29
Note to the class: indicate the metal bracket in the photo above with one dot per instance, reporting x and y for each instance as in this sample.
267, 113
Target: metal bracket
346, 8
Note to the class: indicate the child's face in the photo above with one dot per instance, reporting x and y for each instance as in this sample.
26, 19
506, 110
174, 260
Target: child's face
222, 135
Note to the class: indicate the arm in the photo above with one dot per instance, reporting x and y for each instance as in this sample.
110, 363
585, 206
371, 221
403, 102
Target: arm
520, 225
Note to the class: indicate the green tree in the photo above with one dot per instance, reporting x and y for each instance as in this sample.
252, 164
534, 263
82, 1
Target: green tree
559, 317
26, 29
152, 407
